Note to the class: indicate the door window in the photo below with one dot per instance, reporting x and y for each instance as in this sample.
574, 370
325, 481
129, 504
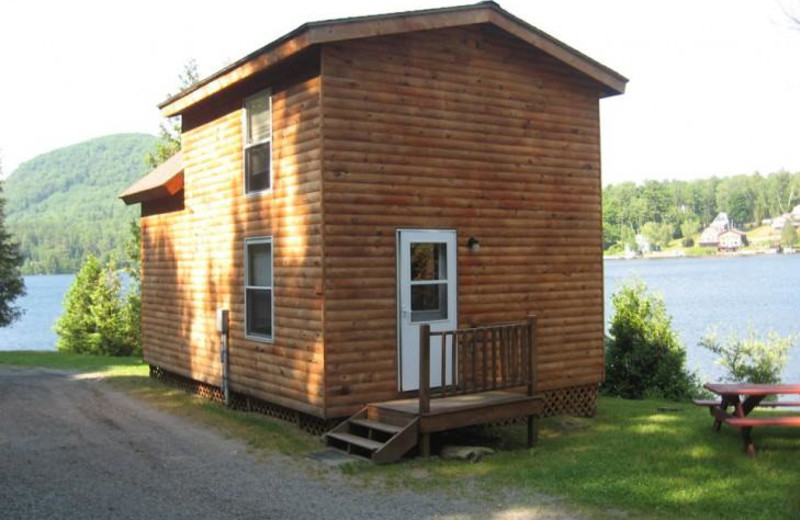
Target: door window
428, 281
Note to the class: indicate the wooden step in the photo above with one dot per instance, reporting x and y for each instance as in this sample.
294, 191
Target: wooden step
355, 440
402, 438
378, 426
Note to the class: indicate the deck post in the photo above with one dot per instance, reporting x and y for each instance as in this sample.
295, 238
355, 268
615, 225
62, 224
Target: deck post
425, 445
533, 431
424, 369
424, 385
532, 427
531, 346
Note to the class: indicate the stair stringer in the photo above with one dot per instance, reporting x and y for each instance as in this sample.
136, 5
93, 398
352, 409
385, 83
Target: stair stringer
399, 444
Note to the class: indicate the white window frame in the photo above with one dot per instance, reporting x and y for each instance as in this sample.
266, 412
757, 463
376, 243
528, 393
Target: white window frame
246, 146
247, 243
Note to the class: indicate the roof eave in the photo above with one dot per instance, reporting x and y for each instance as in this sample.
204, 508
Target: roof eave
164, 181
159, 192
315, 33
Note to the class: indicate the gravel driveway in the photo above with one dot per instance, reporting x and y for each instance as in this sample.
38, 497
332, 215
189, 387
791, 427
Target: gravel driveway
72, 447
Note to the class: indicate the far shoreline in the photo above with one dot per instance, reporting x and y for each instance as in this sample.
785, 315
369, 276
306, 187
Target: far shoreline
681, 254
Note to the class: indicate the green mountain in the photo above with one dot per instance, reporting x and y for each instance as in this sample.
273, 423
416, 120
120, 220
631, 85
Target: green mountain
63, 204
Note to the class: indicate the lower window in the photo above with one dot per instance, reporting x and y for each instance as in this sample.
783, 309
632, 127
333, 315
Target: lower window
258, 294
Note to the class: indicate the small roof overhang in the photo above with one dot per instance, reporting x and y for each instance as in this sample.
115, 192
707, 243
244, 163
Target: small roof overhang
164, 181
316, 33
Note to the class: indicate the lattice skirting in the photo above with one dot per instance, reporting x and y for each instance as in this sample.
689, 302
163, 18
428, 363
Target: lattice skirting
306, 422
578, 401
575, 400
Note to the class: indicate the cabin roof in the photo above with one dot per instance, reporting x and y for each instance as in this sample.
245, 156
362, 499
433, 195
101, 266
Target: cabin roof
314, 33
166, 180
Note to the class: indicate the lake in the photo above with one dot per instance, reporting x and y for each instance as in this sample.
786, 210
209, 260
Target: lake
42, 304
731, 293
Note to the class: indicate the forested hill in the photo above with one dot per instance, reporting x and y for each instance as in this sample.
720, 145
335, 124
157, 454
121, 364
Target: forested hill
63, 204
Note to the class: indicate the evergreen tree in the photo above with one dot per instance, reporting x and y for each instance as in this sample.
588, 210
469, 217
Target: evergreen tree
107, 312
95, 319
12, 284
76, 325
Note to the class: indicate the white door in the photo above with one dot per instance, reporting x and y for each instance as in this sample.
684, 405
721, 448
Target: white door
427, 280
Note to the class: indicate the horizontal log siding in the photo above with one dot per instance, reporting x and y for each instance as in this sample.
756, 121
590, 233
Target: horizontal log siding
193, 259
463, 129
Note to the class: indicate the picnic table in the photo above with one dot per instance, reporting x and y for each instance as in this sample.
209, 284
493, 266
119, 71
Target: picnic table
741, 399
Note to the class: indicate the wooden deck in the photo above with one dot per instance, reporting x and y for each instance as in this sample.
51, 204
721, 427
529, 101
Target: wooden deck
447, 413
496, 381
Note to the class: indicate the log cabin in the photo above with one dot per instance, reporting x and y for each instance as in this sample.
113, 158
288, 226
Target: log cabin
362, 189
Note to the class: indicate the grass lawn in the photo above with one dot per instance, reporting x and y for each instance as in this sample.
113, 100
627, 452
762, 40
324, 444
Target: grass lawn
110, 366
646, 458
633, 457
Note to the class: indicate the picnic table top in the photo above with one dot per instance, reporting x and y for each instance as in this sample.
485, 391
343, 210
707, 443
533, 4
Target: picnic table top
752, 389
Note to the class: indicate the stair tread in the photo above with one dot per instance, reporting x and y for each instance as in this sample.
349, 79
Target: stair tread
355, 439
375, 425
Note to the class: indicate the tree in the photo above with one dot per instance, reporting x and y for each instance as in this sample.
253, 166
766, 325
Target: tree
656, 199
170, 130
611, 235
644, 357
788, 235
94, 318
12, 285
132, 311
659, 234
76, 325
735, 197
690, 228
751, 359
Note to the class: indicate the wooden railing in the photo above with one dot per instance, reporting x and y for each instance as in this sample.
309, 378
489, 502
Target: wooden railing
482, 358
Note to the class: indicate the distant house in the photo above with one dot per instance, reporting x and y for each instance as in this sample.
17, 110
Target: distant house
711, 234
779, 222
732, 240
710, 237
796, 214
721, 222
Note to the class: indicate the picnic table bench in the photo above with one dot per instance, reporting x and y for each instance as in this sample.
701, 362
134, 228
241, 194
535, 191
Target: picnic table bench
742, 399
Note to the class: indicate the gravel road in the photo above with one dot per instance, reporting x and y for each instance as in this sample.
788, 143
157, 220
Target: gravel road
73, 447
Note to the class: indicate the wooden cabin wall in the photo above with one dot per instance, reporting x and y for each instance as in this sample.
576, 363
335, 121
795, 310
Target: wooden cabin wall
193, 258
465, 129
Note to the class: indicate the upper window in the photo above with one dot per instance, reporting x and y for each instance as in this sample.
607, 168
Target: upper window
258, 142
258, 288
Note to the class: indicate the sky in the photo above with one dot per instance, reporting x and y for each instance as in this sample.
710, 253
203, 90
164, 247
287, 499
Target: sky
714, 84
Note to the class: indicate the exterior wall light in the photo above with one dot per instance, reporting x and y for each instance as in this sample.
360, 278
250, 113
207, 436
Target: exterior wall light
473, 244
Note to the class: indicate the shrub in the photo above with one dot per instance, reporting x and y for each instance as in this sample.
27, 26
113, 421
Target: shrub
751, 359
687, 242
788, 235
644, 356
97, 317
